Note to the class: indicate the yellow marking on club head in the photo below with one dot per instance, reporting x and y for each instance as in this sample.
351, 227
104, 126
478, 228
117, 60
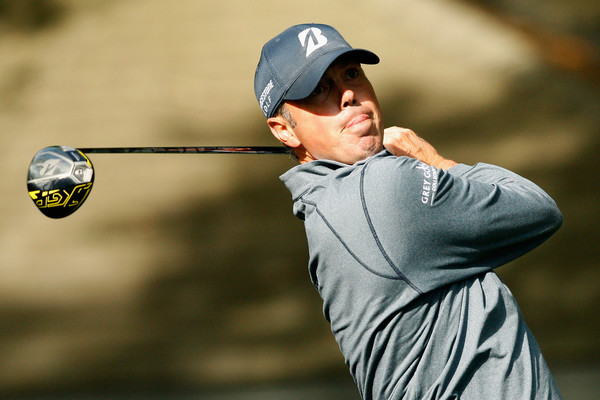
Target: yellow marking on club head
87, 160
34, 194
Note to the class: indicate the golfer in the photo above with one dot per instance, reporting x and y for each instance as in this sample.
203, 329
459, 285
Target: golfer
402, 241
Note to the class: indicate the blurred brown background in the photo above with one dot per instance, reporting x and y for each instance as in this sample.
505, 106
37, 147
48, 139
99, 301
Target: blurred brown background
186, 275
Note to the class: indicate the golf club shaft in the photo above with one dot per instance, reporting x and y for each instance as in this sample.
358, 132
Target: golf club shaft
188, 150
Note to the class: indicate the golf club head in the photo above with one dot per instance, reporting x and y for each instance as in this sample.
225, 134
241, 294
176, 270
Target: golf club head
60, 178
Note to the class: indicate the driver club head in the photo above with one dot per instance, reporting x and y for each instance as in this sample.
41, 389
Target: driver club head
60, 178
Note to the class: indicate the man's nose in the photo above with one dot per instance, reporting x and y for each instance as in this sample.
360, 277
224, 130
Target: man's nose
348, 97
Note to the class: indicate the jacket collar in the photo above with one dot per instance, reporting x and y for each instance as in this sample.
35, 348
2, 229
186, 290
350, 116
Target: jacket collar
303, 177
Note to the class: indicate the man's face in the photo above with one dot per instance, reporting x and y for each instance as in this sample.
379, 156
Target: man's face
340, 120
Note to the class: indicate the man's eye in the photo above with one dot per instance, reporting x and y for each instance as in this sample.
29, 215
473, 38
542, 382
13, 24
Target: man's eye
321, 87
352, 73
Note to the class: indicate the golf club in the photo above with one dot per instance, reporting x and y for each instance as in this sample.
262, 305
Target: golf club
60, 178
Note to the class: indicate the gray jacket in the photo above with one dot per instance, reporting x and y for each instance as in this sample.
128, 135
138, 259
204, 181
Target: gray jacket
403, 254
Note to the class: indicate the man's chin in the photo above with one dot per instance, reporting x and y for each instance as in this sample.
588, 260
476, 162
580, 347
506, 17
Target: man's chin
371, 144
363, 154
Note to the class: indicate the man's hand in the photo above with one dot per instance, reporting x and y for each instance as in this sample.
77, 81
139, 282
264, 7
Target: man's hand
404, 142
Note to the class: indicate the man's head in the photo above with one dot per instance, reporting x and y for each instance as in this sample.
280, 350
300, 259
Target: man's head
310, 85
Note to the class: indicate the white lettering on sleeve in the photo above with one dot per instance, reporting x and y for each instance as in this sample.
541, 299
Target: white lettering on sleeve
430, 183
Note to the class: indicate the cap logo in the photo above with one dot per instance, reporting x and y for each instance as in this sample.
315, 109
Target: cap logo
312, 39
265, 97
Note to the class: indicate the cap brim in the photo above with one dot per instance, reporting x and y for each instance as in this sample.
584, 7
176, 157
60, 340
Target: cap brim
308, 79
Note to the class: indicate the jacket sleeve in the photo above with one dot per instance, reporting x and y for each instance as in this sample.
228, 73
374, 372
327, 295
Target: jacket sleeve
438, 227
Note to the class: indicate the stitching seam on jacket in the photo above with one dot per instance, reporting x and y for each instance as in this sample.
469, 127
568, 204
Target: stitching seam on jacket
376, 237
346, 246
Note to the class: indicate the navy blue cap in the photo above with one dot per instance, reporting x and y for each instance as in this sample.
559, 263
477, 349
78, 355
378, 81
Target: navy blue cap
293, 62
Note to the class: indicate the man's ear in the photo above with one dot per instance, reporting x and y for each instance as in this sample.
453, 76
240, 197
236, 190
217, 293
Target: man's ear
282, 130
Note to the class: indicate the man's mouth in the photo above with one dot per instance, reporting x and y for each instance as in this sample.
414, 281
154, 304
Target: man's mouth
357, 120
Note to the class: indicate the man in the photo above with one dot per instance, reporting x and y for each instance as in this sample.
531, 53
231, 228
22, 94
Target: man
402, 241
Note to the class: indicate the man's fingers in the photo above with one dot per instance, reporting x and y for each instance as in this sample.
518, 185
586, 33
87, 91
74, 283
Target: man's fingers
402, 141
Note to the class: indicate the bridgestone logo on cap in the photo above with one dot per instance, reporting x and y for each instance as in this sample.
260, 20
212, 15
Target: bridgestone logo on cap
312, 39
265, 96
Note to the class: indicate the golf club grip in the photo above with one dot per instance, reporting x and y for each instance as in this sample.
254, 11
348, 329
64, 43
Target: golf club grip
188, 150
